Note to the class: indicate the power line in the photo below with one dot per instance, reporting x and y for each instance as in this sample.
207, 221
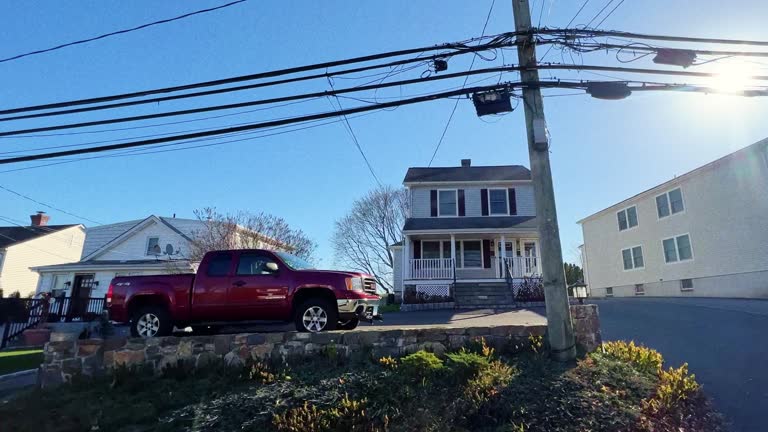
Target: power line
641, 71
250, 77
426, 59
590, 33
348, 127
253, 103
549, 48
253, 126
456, 104
58, 47
598, 14
610, 13
19, 194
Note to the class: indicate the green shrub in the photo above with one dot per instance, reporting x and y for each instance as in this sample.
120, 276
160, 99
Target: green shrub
306, 418
422, 363
488, 382
643, 359
465, 364
675, 387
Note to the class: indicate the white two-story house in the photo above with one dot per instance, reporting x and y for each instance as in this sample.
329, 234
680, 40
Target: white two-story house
470, 229
702, 234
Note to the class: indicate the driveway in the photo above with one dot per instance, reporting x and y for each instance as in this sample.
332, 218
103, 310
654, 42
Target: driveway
724, 341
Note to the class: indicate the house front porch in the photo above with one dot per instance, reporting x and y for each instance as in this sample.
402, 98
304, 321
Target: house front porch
468, 263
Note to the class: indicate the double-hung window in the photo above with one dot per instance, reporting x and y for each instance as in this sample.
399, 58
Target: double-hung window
633, 258
497, 202
431, 249
627, 218
670, 203
677, 248
447, 203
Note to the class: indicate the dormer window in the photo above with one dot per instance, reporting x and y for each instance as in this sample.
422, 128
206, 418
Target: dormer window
447, 202
153, 246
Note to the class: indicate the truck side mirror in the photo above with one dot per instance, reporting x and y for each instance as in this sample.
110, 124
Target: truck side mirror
271, 267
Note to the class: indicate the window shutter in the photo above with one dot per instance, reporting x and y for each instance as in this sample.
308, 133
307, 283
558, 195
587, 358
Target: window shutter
417, 249
486, 254
462, 210
433, 202
512, 201
484, 202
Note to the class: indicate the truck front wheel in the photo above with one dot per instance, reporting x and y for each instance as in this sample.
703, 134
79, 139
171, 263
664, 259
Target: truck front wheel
151, 321
316, 315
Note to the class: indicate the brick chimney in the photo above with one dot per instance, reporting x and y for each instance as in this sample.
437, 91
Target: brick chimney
40, 219
465, 163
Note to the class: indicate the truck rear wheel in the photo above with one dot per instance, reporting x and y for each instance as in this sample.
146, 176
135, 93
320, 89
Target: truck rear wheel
316, 315
151, 321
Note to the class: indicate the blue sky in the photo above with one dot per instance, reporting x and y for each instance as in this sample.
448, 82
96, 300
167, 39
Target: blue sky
602, 151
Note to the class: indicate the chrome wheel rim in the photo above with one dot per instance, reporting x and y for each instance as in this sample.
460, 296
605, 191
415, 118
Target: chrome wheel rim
148, 325
314, 319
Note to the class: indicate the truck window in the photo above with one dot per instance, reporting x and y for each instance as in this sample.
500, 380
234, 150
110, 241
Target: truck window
219, 265
253, 264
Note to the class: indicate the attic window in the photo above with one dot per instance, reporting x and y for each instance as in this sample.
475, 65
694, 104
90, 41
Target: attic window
153, 246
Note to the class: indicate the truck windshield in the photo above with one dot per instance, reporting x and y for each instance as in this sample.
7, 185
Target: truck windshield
294, 262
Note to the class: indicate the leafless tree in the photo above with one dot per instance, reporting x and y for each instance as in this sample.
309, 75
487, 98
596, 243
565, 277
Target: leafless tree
362, 239
245, 230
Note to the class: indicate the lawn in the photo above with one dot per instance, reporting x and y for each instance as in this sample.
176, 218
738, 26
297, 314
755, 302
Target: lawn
622, 389
14, 361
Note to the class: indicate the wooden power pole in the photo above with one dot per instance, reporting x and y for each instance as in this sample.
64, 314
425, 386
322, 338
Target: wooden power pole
559, 325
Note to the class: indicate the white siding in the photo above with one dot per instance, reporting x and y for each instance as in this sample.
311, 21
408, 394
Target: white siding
397, 272
60, 247
96, 237
135, 246
421, 206
725, 214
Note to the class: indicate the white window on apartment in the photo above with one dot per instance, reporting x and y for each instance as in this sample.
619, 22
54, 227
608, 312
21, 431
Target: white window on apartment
153, 246
633, 258
471, 254
686, 284
436, 249
497, 202
677, 248
609, 292
670, 203
639, 289
447, 204
627, 218
58, 288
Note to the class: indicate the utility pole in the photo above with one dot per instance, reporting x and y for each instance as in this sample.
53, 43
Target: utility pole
559, 325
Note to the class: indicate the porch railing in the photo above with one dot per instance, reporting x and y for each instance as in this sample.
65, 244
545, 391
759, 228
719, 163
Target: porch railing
19, 314
518, 267
430, 268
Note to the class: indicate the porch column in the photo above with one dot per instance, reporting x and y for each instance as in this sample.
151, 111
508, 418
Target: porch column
406, 258
453, 253
502, 263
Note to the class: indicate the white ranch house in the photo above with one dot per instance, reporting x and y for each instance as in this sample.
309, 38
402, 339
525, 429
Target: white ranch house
470, 232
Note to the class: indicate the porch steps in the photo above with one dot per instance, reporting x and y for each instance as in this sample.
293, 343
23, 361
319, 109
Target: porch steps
469, 295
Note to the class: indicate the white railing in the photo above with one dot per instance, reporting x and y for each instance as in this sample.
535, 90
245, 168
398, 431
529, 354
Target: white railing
430, 268
518, 267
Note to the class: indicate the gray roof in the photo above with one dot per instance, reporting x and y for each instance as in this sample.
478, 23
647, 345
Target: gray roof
12, 235
495, 222
464, 174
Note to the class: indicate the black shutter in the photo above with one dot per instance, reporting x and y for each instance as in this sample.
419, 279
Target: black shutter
486, 254
484, 202
417, 249
462, 210
512, 201
433, 203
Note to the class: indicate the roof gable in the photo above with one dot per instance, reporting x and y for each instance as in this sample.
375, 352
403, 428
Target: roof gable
467, 174
110, 236
13, 235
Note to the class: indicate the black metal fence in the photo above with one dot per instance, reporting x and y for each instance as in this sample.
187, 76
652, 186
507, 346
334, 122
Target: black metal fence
19, 314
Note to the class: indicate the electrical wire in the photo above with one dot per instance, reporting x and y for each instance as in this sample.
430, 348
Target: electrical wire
598, 14
21, 195
549, 48
591, 33
610, 13
83, 41
456, 104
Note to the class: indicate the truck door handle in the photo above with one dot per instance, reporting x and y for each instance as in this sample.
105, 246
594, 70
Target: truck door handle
238, 283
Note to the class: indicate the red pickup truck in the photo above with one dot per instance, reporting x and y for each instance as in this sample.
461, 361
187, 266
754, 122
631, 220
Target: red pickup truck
240, 286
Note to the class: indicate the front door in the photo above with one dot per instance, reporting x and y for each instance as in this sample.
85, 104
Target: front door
258, 292
531, 257
81, 294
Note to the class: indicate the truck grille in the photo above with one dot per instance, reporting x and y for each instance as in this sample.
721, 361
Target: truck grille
369, 286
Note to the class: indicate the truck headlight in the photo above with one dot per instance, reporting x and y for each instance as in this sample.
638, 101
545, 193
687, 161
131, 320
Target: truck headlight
355, 284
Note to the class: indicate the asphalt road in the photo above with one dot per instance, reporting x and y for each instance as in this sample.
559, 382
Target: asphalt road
724, 341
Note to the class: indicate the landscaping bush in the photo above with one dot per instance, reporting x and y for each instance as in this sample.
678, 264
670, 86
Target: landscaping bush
530, 289
644, 359
422, 363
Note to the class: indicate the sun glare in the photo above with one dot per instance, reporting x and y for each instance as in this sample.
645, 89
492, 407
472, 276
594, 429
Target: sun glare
732, 77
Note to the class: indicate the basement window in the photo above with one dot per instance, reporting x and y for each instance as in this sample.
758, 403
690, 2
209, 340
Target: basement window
609, 292
686, 284
639, 289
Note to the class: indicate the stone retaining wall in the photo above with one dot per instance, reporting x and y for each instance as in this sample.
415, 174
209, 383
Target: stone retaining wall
91, 357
